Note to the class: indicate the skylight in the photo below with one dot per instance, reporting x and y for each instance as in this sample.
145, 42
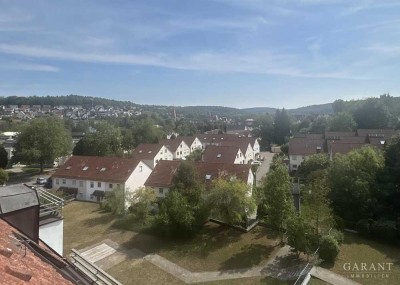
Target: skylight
68, 167
208, 176
150, 151
103, 169
85, 168
218, 155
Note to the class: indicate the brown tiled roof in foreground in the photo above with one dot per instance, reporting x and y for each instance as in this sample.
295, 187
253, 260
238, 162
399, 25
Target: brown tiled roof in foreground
17, 268
165, 170
108, 169
344, 147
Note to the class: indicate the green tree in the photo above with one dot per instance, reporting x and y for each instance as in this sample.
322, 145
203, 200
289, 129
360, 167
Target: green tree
315, 162
3, 176
176, 216
276, 198
42, 141
3, 157
338, 106
281, 126
105, 141
299, 235
114, 201
342, 122
142, 202
352, 179
230, 201
195, 155
329, 249
316, 207
372, 114
264, 129
319, 125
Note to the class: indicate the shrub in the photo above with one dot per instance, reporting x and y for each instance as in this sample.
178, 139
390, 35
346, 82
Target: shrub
337, 235
384, 231
329, 249
363, 227
340, 223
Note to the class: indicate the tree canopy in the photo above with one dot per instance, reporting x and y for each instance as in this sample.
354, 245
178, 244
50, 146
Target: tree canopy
3, 157
42, 141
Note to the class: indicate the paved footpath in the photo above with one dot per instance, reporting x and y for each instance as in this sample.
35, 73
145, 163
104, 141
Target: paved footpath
331, 277
111, 257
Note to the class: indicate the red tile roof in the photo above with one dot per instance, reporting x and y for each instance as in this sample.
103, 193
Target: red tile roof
165, 170
388, 133
188, 139
344, 147
146, 151
305, 146
243, 145
108, 169
220, 154
16, 267
339, 135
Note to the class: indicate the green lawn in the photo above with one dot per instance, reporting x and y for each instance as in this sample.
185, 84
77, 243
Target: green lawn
356, 249
214, 248
316, 281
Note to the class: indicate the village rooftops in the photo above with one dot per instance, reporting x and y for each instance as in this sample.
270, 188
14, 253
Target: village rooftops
172, 144
221, 154
165, 170
305, 146
344, 147
386, 133
109, 169
243, 145
338, 135
146, 151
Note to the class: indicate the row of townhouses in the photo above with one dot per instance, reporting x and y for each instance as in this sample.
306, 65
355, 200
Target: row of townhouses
90, 177
333, 143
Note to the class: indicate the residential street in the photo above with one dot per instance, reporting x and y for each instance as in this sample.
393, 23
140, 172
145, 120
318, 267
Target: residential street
264, 167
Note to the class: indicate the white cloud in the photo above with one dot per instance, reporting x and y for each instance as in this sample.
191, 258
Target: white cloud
30, 67
256, 62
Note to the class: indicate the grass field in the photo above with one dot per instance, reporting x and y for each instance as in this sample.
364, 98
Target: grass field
356, 249
214, 248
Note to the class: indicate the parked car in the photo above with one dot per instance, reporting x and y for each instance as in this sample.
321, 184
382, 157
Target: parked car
41, 180
256, 162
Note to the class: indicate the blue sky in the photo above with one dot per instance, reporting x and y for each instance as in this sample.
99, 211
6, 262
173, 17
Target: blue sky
238, 53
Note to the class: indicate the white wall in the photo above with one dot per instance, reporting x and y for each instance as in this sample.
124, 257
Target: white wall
295, 161
240, 158
195, 145
182, 151
163, 154
138, 177
53, 235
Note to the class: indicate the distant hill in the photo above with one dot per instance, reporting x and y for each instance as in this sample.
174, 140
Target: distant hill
313, 109
259, 110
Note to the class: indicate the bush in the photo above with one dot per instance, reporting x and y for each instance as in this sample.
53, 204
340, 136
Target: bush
384, 231
363, 227
340, 223
337, 235
329, 249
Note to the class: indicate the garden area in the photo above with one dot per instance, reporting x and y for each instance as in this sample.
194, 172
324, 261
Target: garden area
214, 248
356, 249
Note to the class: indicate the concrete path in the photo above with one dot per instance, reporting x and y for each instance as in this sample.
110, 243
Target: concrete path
264, 167
103, 257
331, 277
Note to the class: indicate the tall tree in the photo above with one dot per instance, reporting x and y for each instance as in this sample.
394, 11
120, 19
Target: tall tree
352, 179
372, 114
281, 126
3, 157
276, 198
230, 201
3, 176
338, 106
264, 129
316, 207
313, 163
342, 122
105, 141
42, 141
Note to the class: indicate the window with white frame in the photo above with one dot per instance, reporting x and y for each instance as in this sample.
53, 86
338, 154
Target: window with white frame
64, 181
161, 190
57, 181
80, 183
73, 182
91, 184
99, 184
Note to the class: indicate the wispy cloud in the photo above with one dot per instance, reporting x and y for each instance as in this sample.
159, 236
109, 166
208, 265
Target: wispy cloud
30, 67
256, 62
389, 50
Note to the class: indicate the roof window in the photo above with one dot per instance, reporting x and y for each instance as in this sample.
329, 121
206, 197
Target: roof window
218, 155
68, 167
85, 168
103, 169
208, 176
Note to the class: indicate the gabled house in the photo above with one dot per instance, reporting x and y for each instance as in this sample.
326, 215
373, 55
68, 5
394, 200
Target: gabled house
178, 147
89, 177
193, 142
161, 177
244, 146
151, 154
223, 154
301, 147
